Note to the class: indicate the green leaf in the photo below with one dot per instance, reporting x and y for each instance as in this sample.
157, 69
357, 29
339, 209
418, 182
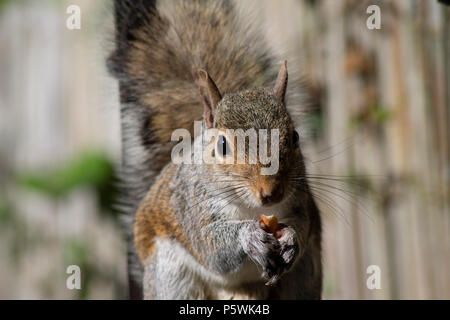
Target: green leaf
91, 169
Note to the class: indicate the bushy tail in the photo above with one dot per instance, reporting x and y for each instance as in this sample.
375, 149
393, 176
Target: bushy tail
160, 50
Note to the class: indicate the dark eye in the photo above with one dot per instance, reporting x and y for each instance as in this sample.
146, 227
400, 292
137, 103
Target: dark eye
223, 149
295, 138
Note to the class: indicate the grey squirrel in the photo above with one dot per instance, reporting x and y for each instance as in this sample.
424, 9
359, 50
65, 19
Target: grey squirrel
194, 230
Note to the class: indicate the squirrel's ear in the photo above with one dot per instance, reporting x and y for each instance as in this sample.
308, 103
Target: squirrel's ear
281, 84
210, 95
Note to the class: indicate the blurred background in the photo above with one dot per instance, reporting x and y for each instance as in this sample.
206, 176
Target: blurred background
376, 138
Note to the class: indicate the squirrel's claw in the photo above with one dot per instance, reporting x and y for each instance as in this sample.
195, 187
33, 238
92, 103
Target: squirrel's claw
272, 280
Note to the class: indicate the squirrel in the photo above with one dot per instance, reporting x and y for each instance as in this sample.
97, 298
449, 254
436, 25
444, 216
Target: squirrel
193, 228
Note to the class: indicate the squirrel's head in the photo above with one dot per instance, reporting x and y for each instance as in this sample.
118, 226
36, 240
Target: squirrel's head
255, 144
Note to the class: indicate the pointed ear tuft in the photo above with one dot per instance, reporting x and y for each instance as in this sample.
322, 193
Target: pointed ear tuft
281, 84
210, 95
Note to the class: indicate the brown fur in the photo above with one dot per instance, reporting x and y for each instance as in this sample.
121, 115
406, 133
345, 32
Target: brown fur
155, 218
162, 61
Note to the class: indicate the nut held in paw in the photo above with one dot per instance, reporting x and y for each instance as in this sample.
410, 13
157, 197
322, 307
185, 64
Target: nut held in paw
268, 223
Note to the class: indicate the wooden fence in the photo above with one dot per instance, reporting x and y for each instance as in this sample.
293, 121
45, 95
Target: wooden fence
379, 134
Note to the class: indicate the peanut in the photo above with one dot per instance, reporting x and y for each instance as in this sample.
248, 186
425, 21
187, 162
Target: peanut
269, 223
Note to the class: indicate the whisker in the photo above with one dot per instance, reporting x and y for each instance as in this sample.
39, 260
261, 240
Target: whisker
222, 181
334, 208
229, 201
342, 179
347, 191
353, 199
211, 194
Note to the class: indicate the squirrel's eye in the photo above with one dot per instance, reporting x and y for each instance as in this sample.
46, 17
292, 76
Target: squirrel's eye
223, 149
295, 138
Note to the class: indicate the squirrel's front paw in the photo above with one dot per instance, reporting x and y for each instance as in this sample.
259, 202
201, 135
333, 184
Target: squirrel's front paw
287, 238
265, 250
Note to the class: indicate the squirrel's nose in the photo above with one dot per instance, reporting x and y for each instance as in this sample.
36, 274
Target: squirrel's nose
274, 195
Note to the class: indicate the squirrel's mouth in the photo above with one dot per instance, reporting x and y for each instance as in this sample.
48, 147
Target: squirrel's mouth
268, 201
268, 196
